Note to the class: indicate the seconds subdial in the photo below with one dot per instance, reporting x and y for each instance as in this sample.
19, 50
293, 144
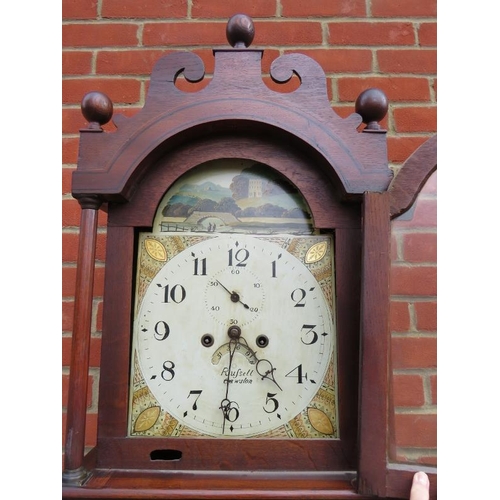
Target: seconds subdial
236, 296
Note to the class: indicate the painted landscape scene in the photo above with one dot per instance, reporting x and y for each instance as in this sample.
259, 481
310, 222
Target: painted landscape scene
233, 195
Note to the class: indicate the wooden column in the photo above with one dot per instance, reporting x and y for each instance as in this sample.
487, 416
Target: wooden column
375, 345
80, 351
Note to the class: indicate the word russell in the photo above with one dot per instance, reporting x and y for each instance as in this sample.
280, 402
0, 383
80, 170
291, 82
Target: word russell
238, 376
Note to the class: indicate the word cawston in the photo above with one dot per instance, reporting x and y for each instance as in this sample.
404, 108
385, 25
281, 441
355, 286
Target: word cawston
238, 376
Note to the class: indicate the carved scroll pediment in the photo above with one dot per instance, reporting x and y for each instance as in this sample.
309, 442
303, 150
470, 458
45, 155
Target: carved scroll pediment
236, 93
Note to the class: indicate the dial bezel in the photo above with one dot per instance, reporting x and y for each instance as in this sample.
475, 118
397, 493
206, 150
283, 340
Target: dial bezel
203, 245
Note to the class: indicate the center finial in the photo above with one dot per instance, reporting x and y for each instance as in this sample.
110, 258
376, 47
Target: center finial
240, 31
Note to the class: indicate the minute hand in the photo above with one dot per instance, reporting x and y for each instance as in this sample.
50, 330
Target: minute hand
235, 297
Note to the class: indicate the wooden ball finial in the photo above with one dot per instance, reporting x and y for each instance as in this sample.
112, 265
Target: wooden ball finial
97, 108
240, 31
372, 105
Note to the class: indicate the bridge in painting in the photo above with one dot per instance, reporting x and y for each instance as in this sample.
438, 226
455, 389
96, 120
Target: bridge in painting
198, 217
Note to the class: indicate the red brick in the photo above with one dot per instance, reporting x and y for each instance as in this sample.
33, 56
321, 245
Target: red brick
326, 8
398, 8
99, 35
407, 280
340, 60
65, 384
287, 33
434, 389
76, 63
102, 219
119, 90
69, 281
399, 319
69, 150
100, 253
90, 429
266, 33
434, 87
67, 316
225, 9
66, 351
144, 9
421, 119
400, 148
371, 33
71, 213
70, 247
408, 390
420, 247
426, 315
394, 246
65, 387
95, 352
76, 9
192, 33
127, 62
99, 316
396, 88
417, 61
424, 215
414, 352
427, 34
416, 430
72, 121
66, 179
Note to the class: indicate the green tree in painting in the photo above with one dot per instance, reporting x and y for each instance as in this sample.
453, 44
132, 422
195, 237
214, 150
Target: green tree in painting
204, 205
227, 205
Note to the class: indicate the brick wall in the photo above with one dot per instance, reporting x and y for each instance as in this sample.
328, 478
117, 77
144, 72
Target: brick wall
111, 45
413, 327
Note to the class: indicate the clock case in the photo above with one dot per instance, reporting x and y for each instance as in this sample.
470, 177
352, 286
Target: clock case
340, 167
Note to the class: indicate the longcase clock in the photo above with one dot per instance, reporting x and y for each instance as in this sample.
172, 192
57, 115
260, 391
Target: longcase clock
247, 248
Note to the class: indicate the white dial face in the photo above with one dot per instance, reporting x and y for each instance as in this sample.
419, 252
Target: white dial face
234, 337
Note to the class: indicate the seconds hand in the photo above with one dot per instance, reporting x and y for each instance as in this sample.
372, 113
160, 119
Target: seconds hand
234, 296
226, 405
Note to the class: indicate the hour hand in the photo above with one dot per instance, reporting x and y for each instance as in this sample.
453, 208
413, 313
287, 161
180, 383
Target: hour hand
266, 370
264, 367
